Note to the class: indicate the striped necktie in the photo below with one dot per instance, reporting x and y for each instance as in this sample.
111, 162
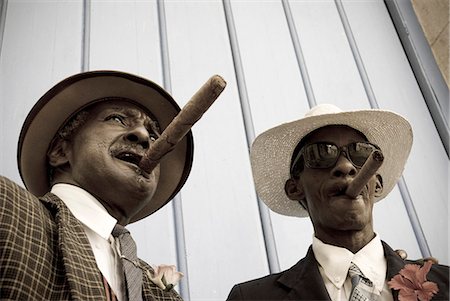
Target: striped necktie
362, 288
133, 274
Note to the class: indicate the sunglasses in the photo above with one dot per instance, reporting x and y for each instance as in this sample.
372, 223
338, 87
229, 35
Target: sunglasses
326, 154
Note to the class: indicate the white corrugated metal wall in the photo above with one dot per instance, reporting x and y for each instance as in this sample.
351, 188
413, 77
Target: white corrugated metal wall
279, 58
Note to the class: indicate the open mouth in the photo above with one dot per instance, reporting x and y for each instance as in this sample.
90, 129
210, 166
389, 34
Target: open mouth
130, 158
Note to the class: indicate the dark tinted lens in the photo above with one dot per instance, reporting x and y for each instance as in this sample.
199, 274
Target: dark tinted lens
359, 152
320, 155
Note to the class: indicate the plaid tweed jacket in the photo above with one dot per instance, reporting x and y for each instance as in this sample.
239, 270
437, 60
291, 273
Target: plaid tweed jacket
45, 254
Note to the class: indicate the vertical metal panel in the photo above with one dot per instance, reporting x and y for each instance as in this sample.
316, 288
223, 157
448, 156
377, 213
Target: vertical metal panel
124, 36
396, 88
356, 55
223, 231
177, 208
276, 94
3, 8
299, 54
332, 71
420, 56
33, 58
272, 257
86, 35
374, 105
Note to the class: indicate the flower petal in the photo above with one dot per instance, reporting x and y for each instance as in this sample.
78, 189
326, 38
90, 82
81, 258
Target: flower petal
157, 278
407, 295
423, 271
398, 282
431, 287
409, 272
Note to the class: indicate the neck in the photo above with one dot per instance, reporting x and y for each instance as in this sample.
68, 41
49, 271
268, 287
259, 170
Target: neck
122, 217
351, 240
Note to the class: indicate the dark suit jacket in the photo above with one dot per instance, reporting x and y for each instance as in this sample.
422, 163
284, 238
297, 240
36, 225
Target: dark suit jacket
45, 253
304, 282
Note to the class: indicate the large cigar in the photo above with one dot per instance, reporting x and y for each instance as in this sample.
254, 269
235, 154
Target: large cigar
369, 169
182, 123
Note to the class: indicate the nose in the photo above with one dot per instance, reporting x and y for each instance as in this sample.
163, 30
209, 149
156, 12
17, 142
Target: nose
343, 167
139, 135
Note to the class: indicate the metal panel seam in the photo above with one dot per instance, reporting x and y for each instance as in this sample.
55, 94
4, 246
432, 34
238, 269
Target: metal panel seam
3, 8
299, 54
425, 69
266, 223
86, 35
407, 200
180, 241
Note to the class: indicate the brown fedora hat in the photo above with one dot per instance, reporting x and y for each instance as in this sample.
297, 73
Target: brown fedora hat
75, 93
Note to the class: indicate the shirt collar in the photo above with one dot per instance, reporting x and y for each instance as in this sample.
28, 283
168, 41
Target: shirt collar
86, 208
335, 261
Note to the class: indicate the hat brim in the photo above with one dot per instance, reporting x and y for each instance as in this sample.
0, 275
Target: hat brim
272, 151
73, 94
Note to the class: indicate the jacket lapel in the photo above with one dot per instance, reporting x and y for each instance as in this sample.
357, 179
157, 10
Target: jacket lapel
306, 283
84, 277
304, 280
394, 265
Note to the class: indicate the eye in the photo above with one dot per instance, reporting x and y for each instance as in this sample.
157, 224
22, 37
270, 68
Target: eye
116, 118
153, 136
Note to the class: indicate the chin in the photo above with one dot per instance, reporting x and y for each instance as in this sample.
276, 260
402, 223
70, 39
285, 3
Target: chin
352, 222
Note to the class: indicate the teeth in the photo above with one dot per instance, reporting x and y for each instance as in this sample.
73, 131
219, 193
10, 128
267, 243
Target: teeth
129, 157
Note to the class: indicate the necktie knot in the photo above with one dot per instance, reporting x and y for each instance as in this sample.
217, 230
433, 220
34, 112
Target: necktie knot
362, 288
119, 230
355, 271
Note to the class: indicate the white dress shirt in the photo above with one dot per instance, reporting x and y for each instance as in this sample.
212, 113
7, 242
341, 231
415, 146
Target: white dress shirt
334, 263
98, 225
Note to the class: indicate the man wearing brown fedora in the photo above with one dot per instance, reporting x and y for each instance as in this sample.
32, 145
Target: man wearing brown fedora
304, 168
63, 238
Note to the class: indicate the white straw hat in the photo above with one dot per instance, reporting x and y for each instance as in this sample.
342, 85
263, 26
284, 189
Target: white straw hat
272, 151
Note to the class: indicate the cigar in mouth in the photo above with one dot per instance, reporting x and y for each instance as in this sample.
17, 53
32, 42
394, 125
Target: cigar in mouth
182, 123
367, 171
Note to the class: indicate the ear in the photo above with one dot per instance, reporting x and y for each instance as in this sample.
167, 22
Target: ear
378, 185
294, 190
57, 154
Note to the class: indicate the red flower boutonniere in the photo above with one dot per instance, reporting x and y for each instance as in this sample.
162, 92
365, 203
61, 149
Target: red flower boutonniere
412, 283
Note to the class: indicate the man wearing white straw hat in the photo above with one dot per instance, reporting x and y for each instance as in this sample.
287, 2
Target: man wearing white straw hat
79, 151
304, 168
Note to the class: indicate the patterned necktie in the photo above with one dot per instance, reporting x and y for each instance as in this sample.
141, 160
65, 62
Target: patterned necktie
133, 274
362, 288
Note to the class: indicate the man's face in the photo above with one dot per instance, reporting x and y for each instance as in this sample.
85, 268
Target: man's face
322, 190
103, 155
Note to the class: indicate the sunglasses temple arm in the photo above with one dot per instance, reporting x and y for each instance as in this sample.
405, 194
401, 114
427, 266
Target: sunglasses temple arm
367, 171
182, 123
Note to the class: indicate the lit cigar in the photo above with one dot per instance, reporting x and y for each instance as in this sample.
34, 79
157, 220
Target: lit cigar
182, 123
368, 170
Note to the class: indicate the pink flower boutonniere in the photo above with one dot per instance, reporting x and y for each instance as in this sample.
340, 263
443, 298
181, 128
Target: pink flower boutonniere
166, 276
412, 283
